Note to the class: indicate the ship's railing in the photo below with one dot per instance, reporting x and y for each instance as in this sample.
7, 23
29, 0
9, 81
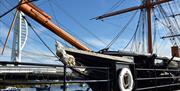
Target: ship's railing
19, 69
87, 80
157, 79
65, 78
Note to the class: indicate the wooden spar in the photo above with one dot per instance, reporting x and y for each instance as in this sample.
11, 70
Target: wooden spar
149, 11
130, 9
149, 4
40, 11
43, 19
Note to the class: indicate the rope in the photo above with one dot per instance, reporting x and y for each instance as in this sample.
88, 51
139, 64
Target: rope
173, 15
134, 32
15, 7
40, 37
2, 43
116, 5
65, 27
170, 25
123, 29
9, 32
82, 74
155, 32
168, 22
78, 23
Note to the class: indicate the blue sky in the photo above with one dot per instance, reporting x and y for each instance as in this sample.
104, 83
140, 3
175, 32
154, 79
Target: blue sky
81, 11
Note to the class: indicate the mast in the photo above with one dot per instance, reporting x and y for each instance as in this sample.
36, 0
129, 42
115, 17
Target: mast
149, 11
148, 6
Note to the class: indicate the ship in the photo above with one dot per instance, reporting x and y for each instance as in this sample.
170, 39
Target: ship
10, 89
113, 70
45, 88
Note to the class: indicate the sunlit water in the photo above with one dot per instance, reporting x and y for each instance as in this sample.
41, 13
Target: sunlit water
58, 88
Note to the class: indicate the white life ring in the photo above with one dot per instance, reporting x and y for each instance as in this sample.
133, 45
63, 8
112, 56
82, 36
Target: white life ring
125, 80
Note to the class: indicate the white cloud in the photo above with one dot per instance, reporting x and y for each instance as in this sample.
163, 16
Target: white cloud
32, 56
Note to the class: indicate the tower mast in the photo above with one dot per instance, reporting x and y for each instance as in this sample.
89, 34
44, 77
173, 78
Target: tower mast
19, 37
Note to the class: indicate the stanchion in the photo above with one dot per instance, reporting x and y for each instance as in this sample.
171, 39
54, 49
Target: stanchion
64, 80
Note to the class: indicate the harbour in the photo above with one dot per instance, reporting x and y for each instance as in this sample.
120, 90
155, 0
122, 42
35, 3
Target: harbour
54, 88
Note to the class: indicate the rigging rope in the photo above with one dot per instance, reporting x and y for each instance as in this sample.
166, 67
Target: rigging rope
143, 28
16, 7
2, 43
173, 15
134, 32
123, 29
170, 25
166, 19
155, 32
40, 37
82, 74
138, 42
3, 4
53, 13
78, 23
65, 27
9, 32
116, 5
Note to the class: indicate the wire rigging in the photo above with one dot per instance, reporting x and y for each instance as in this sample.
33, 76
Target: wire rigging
65, 27
78, 23
155, 32
116, 5
120, 32
6, 6
139, 39
171, 26
2, 43
4, 14
167, 21
40, 37
172, 12
134, 32
10, 29
82, 74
